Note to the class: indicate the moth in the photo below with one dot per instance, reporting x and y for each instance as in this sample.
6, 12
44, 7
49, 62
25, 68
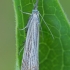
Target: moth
30, 59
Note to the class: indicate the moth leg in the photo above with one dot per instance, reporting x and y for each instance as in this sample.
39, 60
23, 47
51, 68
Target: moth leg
23, 12
21, 48
47, 26
24, 28
42, 32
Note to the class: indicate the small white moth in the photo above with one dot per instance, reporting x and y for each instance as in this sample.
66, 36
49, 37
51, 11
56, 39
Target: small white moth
30, 60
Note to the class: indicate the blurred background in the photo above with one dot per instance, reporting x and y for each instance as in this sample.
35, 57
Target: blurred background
7, 32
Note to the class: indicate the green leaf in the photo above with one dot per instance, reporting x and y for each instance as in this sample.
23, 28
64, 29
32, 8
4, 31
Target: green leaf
54, 54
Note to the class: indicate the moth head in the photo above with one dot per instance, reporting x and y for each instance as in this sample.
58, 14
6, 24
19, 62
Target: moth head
35, 12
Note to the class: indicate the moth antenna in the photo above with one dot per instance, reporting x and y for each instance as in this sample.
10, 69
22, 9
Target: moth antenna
36, 4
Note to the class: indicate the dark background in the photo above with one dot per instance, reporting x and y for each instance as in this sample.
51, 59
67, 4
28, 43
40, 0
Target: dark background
7, 32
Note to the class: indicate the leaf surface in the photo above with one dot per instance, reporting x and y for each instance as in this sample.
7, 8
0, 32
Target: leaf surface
54, 54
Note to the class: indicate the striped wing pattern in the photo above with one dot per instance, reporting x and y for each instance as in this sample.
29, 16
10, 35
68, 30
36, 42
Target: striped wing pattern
30, 59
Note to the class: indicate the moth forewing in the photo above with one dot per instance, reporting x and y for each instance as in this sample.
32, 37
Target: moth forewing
30, 60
